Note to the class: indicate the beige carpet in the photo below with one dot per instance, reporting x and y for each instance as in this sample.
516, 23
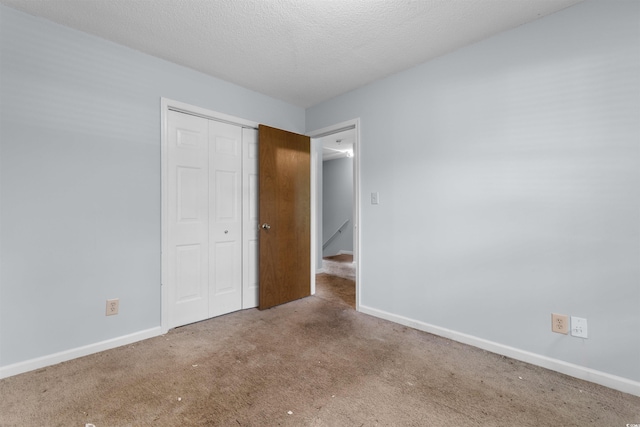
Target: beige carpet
339, 265
312, 362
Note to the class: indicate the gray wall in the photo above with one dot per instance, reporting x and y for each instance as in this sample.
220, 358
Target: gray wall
513, 187
337, 204
80, 181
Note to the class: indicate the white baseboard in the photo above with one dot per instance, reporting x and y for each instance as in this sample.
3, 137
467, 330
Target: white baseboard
612, 381
341, 252
320, 270
63, 356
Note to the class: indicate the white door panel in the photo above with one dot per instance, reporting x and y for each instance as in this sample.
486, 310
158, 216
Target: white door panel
188, 218
250, 218
225, 207
188, 260
188, 191
212, 199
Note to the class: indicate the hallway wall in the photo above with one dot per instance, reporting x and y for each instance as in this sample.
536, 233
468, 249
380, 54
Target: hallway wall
337, 206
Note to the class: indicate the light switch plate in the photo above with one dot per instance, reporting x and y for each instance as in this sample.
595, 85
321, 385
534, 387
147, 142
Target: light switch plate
375, 198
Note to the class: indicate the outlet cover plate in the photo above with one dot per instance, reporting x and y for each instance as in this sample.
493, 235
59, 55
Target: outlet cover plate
113, 305
560, 323
579, 327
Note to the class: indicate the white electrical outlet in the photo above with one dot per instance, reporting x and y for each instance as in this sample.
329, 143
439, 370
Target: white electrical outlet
579, 327
113, 305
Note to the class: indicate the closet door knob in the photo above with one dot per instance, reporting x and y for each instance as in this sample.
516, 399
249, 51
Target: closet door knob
266, 226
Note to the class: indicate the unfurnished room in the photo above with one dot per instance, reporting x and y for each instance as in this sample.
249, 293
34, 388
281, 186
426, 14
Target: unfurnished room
319, 213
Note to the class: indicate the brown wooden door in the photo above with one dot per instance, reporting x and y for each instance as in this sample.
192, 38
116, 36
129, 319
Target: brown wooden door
285, 216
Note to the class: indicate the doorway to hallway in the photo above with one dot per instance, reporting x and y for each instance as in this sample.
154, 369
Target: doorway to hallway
341, 235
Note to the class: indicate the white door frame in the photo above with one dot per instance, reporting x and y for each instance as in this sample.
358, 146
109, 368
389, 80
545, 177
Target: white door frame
330, 130
166, 105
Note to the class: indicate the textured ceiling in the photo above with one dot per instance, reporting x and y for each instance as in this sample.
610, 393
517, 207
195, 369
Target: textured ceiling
300, 51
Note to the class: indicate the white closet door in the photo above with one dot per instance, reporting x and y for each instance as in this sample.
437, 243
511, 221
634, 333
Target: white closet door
188, 217
250, 218
225, 218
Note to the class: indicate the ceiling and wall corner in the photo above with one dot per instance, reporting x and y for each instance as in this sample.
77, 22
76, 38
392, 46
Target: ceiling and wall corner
301, 52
